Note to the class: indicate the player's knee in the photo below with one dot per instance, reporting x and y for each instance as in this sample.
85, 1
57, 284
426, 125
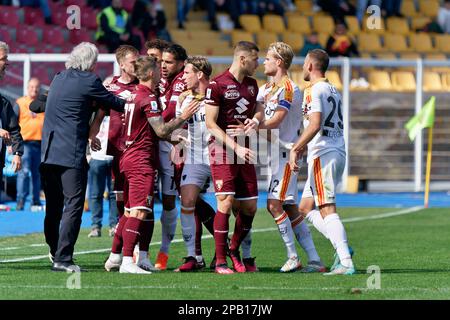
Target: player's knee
225, 203
168, 202
274, 207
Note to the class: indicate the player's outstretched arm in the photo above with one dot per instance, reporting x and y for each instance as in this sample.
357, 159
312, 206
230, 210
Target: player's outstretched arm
164, 129
275, 121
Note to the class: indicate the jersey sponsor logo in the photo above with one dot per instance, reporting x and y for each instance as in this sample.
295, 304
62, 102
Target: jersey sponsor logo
242, 105
251, 89
179, 87
219, 184
125, 94
231, 86
285, 104
208, 93
232, 94
112, 87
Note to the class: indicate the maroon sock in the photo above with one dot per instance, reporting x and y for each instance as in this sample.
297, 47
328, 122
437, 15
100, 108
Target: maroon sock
131, 234
221, 227
206, 214
118, 239
146, 234
241, 229
120, 208
198, 235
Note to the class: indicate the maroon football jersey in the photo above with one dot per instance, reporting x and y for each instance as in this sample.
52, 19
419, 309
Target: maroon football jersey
141, 141
236, 101
169, 97
122, 90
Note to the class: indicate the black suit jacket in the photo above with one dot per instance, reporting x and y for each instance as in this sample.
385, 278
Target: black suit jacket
10, 123
67, 113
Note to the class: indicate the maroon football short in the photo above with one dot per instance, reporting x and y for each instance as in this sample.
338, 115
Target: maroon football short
237, 179
116, 176
138, 189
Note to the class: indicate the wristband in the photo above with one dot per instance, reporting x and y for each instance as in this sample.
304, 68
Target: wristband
256, 120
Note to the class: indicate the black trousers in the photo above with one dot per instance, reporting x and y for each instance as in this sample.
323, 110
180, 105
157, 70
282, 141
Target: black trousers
65, 190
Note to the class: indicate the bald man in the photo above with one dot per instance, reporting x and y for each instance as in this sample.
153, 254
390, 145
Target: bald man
31, 128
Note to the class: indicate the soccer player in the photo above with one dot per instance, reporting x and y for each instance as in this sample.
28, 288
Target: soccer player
280, 103
231, 100
324, 138
196, 171
172, 70
155, 48
143, 125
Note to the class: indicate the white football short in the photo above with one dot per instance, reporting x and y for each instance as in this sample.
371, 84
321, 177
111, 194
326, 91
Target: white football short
196, 174
324, 174
282, 181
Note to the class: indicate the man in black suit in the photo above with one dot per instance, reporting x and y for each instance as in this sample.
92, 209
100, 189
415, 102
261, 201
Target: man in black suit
64, 167
9, 127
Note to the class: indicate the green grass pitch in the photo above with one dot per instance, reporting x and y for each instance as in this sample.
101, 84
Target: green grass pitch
410, 249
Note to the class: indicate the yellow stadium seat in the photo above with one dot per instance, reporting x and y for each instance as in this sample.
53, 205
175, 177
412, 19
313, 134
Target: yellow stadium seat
432, 82
446, 81
299, 24
442, 42
386, 56
304, 7
410, 56
273, 23
264, 39
421, 42
250, 22
323, 38
398, 25
403, 81
429, 8
419, 22
369, 42
435, 56
366, 26
408, 9
323, 24
353, 25
238, 35
380, 81
395, 43
295, 40
297, 77
334, 78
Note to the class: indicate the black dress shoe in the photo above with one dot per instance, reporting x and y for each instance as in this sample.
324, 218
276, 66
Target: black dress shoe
66, 267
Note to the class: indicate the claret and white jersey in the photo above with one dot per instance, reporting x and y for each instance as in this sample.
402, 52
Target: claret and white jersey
322, 96
287, 95
198, 134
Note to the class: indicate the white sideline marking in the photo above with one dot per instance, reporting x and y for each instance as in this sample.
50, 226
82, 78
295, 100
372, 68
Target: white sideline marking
347, 220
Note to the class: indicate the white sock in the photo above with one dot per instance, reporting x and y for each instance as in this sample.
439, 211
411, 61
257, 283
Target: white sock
315, 218
188, 231
199, 258
246, 245
336, 231
168, 227
305, 240
127, 260
115, 257
285, 228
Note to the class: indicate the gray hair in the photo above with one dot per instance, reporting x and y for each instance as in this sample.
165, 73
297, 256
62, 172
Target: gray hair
4, 46
83, 57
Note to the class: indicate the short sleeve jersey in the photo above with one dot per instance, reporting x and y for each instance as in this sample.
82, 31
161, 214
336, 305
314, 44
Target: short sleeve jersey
141, 142
288, 96
236, 101
198, 134
121, 90
322, 96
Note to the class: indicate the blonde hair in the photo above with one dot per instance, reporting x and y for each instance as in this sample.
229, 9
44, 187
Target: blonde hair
282, 51
123, 51
200, 64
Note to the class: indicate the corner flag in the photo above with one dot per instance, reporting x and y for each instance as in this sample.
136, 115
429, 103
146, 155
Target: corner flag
424, 119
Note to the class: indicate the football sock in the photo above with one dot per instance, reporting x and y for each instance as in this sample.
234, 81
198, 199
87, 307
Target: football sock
336, 232
221, 227
127, 260
198, 235
305, 240
317, 221
142, 256
206, 214
118, 238
242, 226
285, 228
246, 245
168, 226
115, 257
188, 229
131, 234
146, 234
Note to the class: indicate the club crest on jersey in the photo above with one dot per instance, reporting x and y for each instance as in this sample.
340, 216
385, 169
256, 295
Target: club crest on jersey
219, 184
232, 94
251, 89
149, 200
